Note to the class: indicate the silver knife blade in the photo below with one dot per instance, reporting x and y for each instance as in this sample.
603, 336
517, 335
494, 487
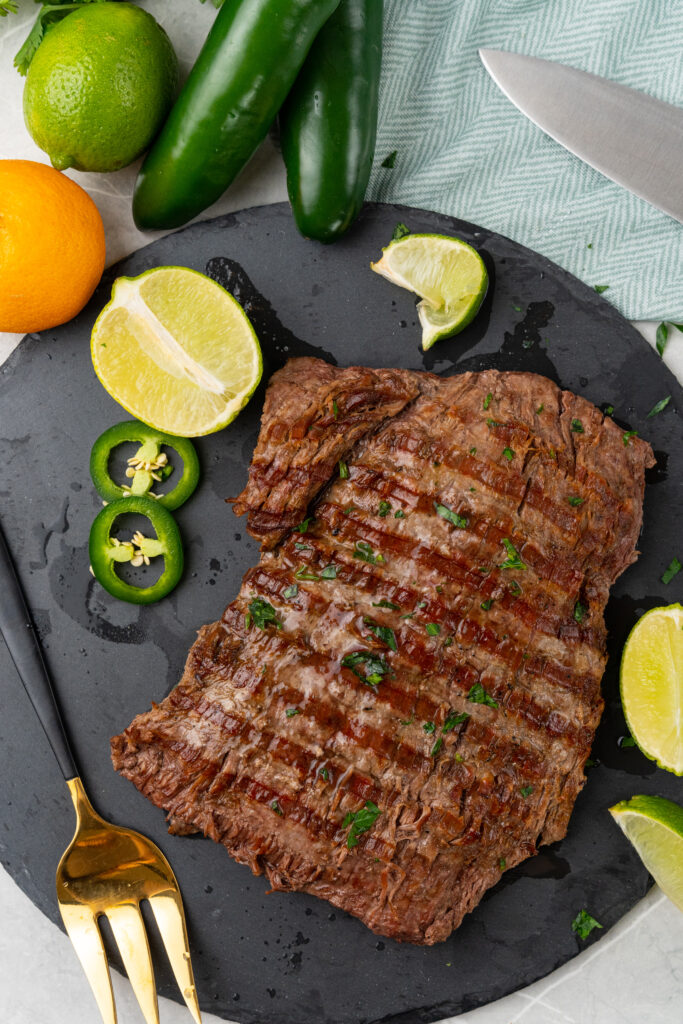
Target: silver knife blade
628, 136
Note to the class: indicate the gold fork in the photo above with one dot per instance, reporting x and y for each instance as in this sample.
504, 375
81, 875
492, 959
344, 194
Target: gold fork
105, 870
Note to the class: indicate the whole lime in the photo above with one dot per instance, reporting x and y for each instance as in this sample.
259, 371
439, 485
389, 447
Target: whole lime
99, 87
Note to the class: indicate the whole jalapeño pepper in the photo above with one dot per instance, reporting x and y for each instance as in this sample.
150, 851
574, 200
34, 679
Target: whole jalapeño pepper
328, 124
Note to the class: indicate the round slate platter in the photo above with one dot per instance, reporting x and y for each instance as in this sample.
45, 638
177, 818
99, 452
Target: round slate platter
281, 958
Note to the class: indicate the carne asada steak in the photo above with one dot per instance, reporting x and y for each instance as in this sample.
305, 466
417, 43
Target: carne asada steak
399, 703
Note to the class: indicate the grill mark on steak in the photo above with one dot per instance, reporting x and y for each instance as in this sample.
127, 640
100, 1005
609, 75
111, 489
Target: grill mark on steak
220, 753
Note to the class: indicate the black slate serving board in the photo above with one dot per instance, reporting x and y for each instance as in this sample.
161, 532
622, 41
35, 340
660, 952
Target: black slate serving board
291, 959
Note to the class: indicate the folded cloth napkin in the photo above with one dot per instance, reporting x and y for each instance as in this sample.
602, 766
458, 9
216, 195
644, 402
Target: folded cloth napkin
464, 149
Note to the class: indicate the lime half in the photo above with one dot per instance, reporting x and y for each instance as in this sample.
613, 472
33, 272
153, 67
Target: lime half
176, 351
652, 686
448, 275
655, 827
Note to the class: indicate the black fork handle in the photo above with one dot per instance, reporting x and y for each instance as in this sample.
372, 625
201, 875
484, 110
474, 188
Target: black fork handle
16, 626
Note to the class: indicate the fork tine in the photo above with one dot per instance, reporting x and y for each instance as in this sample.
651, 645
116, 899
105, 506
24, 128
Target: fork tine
170, 918
129, 931
81, 927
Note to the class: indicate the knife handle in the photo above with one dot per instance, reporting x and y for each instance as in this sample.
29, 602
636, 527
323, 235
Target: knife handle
16, 626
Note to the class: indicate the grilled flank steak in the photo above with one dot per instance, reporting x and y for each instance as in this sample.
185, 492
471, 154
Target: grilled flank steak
399, 703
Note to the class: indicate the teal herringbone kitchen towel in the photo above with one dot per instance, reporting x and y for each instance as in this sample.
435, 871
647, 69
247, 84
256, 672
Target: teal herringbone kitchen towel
464, 149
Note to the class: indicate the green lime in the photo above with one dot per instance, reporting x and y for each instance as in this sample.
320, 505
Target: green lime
655, 827
99, 87
651, 681
448, 275
177, 351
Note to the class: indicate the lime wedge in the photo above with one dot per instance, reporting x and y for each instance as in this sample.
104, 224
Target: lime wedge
448, 275
652, 686
176, 351
655, 827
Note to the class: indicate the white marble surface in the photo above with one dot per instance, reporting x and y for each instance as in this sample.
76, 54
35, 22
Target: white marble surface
634, 975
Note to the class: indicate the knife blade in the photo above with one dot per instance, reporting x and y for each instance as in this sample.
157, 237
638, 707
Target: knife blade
633, 139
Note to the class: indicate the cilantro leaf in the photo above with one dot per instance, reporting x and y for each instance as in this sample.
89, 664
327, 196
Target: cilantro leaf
450, 516
366, 554
7, 7
384, 509
329, 573
263, 614
577, 427
400, 231
579, 611
375, 667
291, 591
513, 561
453, 719
526, 791
383, 603
662, 338
48, 16
360, 821
478, 695
600, 288
433, 628
659, 407
383, 633
583, 924
343, 470
673, 570
304, 524
390, 160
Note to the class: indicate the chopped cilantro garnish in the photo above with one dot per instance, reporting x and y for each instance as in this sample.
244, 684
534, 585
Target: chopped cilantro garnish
324, 773
514, 587
360, 821
600, 288
673, 570
627, 741
540, 410
453, 719
407, 721
329, 572
276, 807
335, 409
502, 863
579, 611
627, 436
348, 510
473, 451
478, 695
429, 727
577, 426
421, 604
408, 615
304, 524
400, 514
433, 628
383, 633
390, 160
291, 712
513, 561
583, 924
343, 470
485, 605
526, 791
659, 407
300, 546
400, 231
375, 666
452, 517
448, 641
302, 573
609, 410
263, 614
384, 509
487, 400
291, 591
437, 747
386, 604
509, 454
575, 502
366, 554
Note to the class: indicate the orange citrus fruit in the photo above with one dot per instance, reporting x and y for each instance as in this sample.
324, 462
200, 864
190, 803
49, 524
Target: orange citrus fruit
51, 247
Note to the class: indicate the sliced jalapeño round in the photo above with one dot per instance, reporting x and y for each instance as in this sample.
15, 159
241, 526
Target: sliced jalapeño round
147, 466
105, 551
